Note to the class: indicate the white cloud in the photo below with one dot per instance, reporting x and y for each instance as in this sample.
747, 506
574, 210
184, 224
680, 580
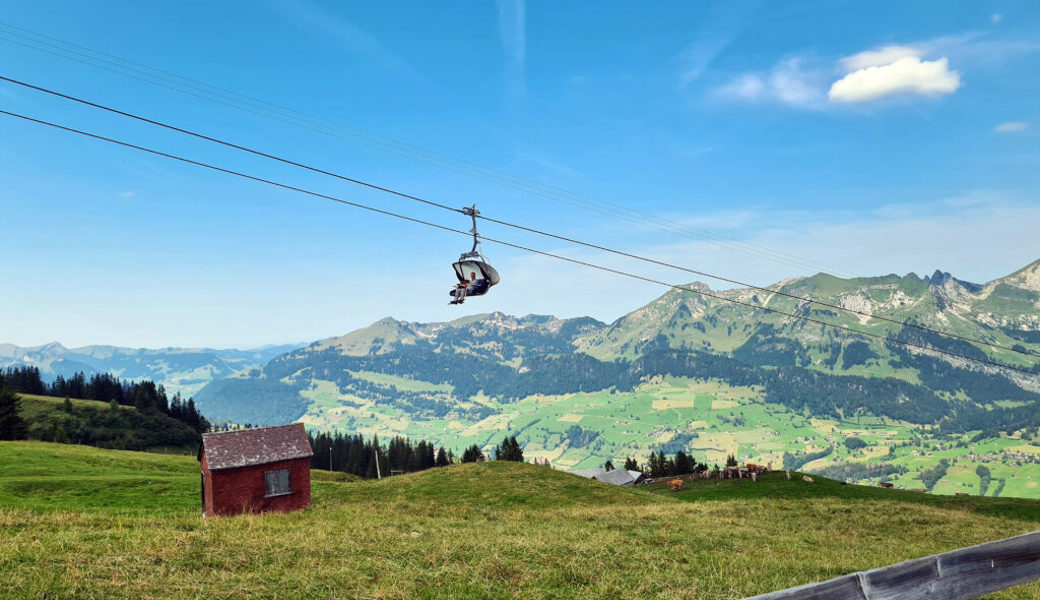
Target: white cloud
1011, 127
792, 84
906, 75
789, 82
750, 86
996, 18
977, 49
920, 68
884, 55
127, 194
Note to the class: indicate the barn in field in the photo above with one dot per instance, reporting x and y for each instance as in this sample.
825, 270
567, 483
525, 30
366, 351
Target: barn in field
255, 470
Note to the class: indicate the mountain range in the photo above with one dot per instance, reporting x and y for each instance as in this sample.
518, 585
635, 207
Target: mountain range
711, 373
179, 369
691, 370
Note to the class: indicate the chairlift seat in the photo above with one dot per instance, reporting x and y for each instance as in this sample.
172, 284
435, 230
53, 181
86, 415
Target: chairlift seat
470, 270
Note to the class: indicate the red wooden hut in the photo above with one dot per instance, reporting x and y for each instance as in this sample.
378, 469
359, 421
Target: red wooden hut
255, 470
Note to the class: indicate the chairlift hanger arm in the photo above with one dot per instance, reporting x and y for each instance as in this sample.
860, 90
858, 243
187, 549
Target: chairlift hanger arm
473, 214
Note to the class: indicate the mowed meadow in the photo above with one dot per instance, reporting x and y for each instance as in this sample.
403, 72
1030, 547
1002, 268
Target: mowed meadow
79, 522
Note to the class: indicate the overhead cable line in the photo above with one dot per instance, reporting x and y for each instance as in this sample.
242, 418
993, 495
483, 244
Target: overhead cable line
373, 209
512, 225
124, 67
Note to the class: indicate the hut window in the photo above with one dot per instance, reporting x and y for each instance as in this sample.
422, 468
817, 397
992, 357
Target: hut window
277, 482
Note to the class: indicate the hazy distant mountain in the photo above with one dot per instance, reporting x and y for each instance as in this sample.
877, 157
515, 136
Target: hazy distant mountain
179, 369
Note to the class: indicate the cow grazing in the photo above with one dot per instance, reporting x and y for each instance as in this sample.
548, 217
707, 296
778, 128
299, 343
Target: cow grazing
807, 479
675, 485
886, 485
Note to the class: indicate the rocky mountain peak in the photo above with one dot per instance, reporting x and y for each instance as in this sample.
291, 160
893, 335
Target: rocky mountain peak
939, 278
1027, 277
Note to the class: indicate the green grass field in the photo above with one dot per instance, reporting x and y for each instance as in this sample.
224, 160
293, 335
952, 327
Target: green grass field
79, 522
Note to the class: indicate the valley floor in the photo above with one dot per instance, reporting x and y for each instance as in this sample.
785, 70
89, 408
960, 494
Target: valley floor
708, 419
84, 523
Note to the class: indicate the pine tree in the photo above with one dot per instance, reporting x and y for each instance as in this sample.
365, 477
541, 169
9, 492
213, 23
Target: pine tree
12, 426
664, 466
731, 461
473, 454
509, 450
442, 458
683, 463
608, 466
631, 464
519, 450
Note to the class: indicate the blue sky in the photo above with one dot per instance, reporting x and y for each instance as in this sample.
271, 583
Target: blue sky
784, 138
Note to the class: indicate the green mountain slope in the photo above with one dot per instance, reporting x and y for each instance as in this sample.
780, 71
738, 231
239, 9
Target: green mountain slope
694, 373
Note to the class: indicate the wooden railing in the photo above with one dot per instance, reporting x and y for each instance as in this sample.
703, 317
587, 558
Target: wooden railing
956, 575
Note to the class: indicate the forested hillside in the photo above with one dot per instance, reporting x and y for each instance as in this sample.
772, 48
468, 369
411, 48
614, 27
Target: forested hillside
633, 386
100, 411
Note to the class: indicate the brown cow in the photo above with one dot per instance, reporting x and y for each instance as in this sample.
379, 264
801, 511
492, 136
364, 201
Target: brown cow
675, 484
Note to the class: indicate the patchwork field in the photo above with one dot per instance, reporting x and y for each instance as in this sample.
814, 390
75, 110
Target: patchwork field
706, 418
84, 523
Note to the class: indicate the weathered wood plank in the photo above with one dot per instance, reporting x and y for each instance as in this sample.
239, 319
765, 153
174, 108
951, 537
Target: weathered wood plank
911, 579
979, 570
846, 587
956, 575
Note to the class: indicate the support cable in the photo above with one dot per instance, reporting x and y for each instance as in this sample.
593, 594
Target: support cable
562, 238
516, 246
135, 70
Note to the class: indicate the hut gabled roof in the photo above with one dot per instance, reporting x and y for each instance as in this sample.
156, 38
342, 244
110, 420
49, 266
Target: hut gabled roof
617, 477
588, 473
232, 449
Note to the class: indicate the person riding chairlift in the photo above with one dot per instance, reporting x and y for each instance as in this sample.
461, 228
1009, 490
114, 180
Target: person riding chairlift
475, 276
473, 287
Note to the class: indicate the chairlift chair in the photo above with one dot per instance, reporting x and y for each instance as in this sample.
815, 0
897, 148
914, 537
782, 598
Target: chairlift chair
475, 275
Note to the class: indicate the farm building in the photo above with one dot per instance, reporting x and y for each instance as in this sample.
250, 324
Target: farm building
615, 476
255, 470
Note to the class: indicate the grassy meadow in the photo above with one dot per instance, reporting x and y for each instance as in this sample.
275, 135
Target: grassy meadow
79, 522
